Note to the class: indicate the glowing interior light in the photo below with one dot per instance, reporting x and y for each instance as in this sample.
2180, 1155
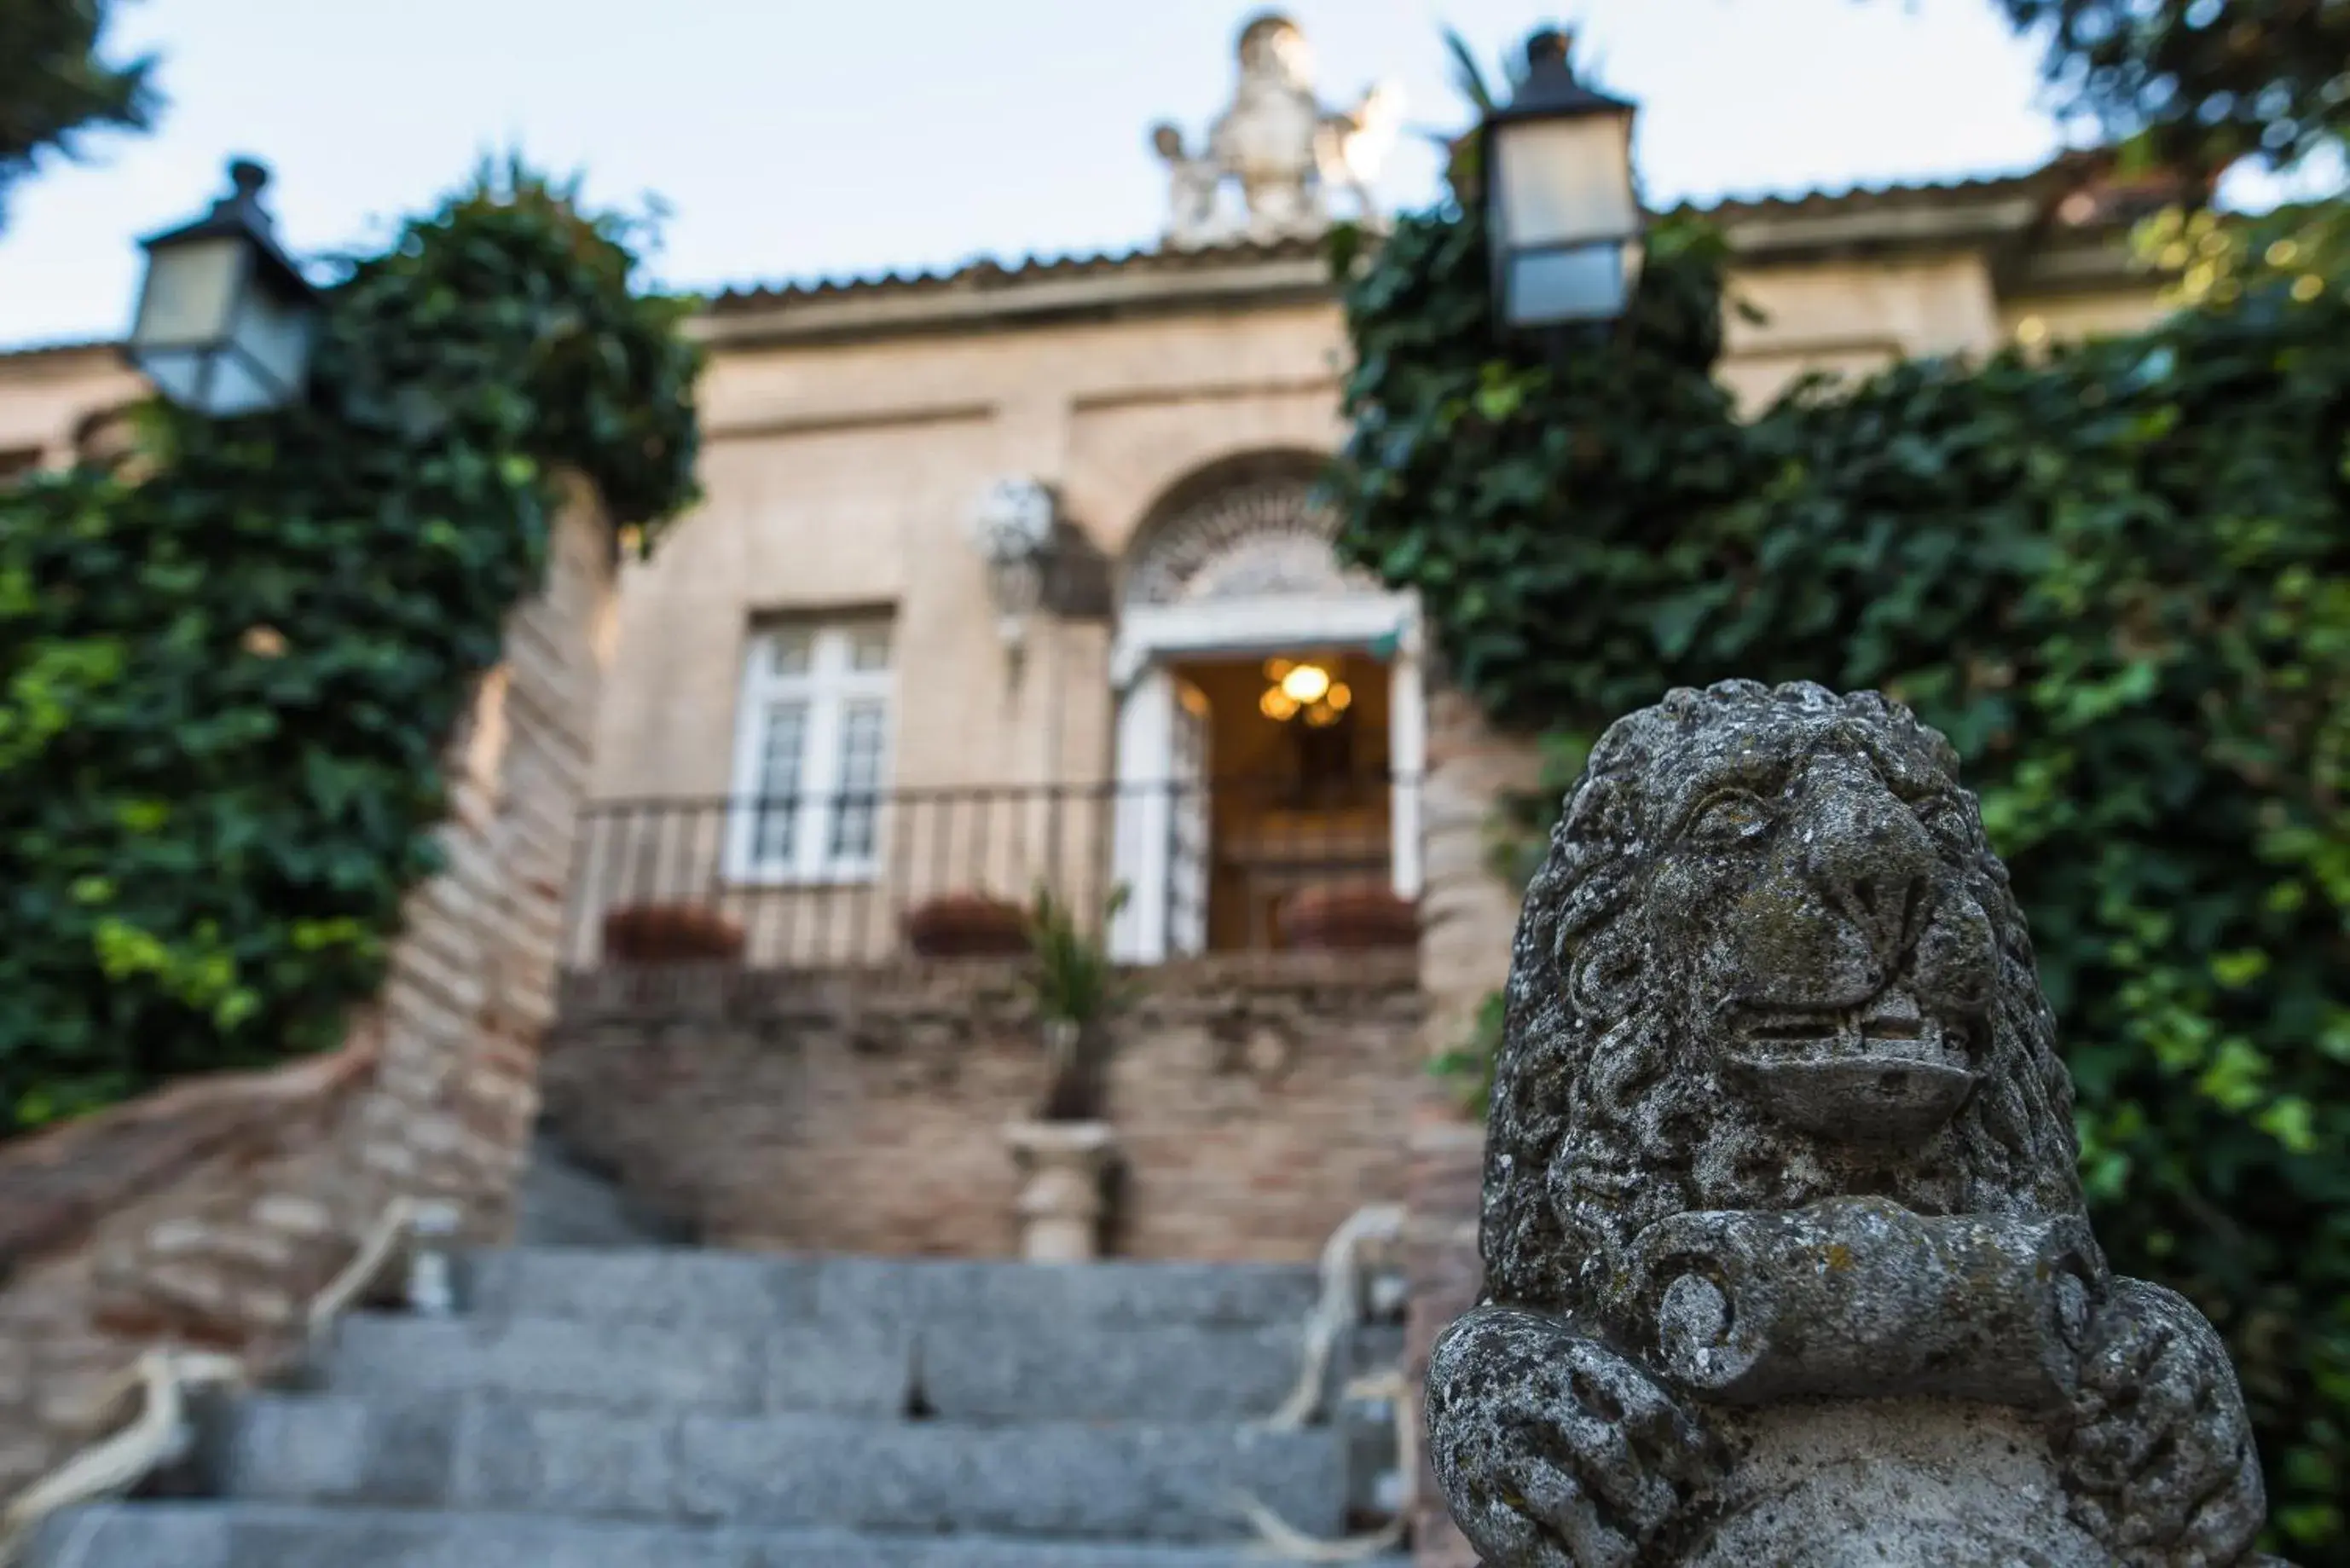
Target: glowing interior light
1339, 695
1306, 684
1276, 705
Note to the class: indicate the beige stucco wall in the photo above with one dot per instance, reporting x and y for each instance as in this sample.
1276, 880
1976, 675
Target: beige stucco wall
842, 477
839, 476
1851, 318
2069, 319
43, 396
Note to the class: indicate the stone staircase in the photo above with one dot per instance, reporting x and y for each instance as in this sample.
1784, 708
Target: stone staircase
624, 1408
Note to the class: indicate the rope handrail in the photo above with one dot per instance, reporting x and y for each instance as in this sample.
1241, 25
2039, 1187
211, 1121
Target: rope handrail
161, 1434
1337, 1309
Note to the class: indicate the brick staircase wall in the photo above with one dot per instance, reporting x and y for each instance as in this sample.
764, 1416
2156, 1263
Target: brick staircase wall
1257, 1101
209, 1213
1468, 920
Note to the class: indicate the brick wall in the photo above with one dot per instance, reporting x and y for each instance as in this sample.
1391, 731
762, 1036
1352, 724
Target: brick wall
210, 1213
1468, 920
1257, 1102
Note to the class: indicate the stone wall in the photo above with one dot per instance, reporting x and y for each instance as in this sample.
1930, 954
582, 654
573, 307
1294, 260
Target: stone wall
210, 1213
1257, 1102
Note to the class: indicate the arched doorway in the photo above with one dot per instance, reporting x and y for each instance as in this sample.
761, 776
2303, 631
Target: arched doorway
1240, 631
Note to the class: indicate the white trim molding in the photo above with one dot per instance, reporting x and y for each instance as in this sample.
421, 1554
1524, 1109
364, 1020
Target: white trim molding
1276, 623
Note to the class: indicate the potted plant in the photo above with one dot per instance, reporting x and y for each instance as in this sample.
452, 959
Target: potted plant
1349, 918
1063, 1154
670, 933
1073, 984
967, 925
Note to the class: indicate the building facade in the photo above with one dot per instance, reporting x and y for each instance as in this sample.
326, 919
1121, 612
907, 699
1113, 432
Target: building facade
1015, 575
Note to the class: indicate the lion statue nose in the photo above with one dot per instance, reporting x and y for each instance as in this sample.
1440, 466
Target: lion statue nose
1864, 853
1832, 1035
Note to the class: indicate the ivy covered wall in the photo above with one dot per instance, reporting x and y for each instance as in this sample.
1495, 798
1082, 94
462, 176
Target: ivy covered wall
2117, 575
228, 672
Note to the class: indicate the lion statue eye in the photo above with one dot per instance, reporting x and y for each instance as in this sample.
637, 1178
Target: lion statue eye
1730, 815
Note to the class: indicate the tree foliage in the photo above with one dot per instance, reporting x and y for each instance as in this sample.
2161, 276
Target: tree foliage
224, 688
2200, 83
2118, 576
54, 86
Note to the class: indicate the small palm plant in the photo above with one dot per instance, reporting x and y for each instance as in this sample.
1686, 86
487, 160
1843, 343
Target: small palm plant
1075, 984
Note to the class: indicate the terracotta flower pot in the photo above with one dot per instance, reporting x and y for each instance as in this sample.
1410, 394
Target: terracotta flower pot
1348, 920
670, 933
967, 925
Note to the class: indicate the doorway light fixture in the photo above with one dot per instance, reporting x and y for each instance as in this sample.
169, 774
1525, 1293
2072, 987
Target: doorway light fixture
1302, 689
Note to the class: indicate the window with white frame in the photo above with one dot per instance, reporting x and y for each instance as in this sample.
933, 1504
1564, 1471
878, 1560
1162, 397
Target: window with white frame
811, 753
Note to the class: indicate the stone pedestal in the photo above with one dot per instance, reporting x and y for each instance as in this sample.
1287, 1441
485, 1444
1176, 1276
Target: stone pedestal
1061, 1203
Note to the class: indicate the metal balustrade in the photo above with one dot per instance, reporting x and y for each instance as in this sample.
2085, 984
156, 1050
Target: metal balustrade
831, 882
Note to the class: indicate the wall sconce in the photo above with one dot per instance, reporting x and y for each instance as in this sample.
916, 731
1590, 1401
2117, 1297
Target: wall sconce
1012, 530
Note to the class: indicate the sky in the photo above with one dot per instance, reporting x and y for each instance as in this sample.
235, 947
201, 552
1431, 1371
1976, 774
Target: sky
793, 140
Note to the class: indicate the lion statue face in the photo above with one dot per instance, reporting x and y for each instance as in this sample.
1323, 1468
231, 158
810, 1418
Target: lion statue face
1770, 959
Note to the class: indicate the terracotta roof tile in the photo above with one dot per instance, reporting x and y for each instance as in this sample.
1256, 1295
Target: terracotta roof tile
2064, 172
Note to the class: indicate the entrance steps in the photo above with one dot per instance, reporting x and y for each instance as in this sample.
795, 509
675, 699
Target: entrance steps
597, 1408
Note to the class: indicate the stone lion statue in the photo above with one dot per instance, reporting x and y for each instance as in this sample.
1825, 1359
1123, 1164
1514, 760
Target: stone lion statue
1785, 1252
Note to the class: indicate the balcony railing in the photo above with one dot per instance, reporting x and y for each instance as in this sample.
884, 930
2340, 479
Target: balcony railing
833, 882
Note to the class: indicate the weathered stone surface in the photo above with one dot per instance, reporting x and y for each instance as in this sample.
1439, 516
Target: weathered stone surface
842, 1369
1786, 1258
1011, 1370
213, 1535
1121, 1481
689, 1291
1113, 1293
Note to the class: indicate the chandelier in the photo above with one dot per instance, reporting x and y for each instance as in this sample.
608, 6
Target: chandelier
1302, 690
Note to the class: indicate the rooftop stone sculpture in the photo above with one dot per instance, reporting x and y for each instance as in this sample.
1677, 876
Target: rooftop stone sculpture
1785, 1253
1287, 153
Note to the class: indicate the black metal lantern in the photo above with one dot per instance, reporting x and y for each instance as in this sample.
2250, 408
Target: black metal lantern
1561, 214
224, 317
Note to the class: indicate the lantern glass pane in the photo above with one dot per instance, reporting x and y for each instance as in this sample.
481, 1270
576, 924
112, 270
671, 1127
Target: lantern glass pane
236, 389
191, 293
274, 333
1565, 181
1584, 284
178, 373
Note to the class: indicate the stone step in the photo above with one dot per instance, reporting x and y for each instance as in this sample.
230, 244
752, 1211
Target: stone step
562, 1203
1063, 1479
1017, 1370
983, 1370
250, 1535
841, 1369
698, 1289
